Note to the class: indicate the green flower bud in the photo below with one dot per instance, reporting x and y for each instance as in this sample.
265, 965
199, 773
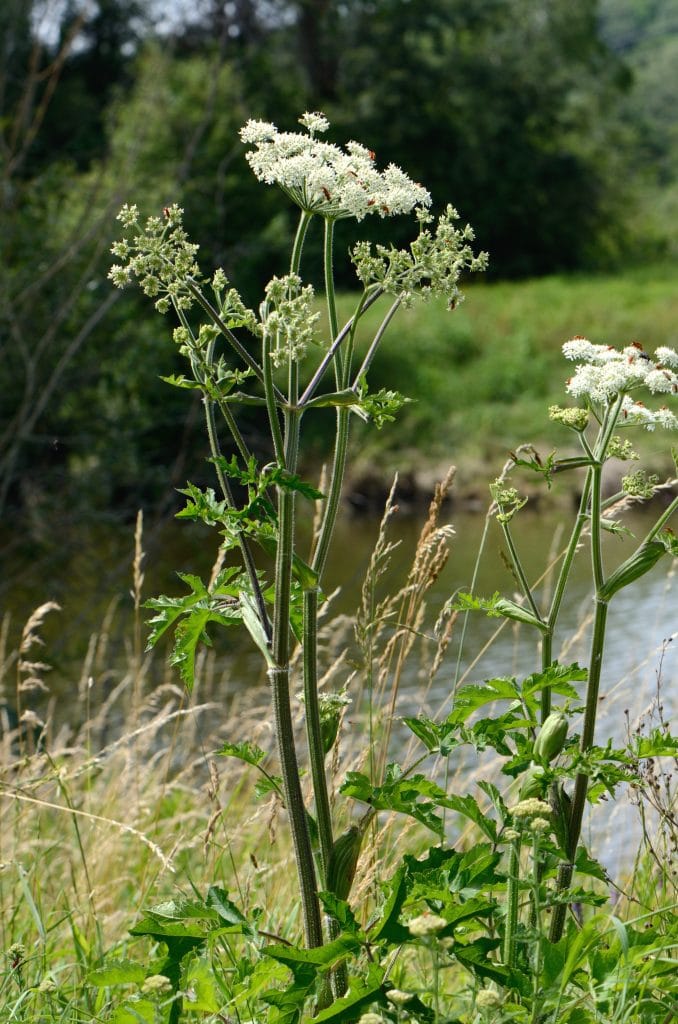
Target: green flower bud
561, 805
330, 708
551, 737
533, 783
344, 861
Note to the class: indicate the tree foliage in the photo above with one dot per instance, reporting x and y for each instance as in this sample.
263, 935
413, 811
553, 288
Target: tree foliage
518, 112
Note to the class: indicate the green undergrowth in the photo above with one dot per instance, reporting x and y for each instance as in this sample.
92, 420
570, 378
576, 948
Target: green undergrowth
146, 867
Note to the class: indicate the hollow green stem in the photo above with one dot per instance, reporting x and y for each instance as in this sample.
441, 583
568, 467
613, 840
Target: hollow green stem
215, 451
596, 540
662, 521
559, 590
294, 802
334, 491
287, 447
372, 350
537, 869
330, 296
519, 571
571, 550
206, 363
367, 299
230, 422
245, 550
299, 239
341, 368
512, 892
228, 333
315, 743
271, 406
581, 782
283, 721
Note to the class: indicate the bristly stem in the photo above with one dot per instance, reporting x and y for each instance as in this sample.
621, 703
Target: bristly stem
519, 571
581, 782
367, 299
235, 343
512, 893
330, 296
341, 367
280, 684
245, 550
563, 576
595, 663
376, 341
280, 674
271, 405
294, 802
315, 743
299, 239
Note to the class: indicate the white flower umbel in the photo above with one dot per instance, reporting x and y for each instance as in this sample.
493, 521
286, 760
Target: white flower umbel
603, 373
667, 357
322, 178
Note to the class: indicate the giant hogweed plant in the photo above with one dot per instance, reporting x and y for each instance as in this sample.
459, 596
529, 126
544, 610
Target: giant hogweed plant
237, 357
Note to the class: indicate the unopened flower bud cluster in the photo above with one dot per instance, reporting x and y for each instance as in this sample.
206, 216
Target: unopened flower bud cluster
487, 999
531, 808
159, 256
288, 318
425, 925
431, 266
619, 448
639, 484
575, 418
507, 500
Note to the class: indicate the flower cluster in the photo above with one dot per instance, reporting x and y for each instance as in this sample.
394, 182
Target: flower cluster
507, 500
530, 808
604, 372
288, 319
426, 924
575, 418
156, 985
159, 255
621, 448
322, 178
487, 999
431, 266
639, 484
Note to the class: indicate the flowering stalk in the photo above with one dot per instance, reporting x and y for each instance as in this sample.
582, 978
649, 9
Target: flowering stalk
604, 380
324, 181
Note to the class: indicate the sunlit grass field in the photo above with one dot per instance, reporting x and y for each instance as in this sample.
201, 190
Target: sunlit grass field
482, 377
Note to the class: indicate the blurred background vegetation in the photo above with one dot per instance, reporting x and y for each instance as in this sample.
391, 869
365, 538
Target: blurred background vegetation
550, 124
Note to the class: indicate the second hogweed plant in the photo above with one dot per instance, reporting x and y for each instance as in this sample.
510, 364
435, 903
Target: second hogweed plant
238, 357
494, 913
